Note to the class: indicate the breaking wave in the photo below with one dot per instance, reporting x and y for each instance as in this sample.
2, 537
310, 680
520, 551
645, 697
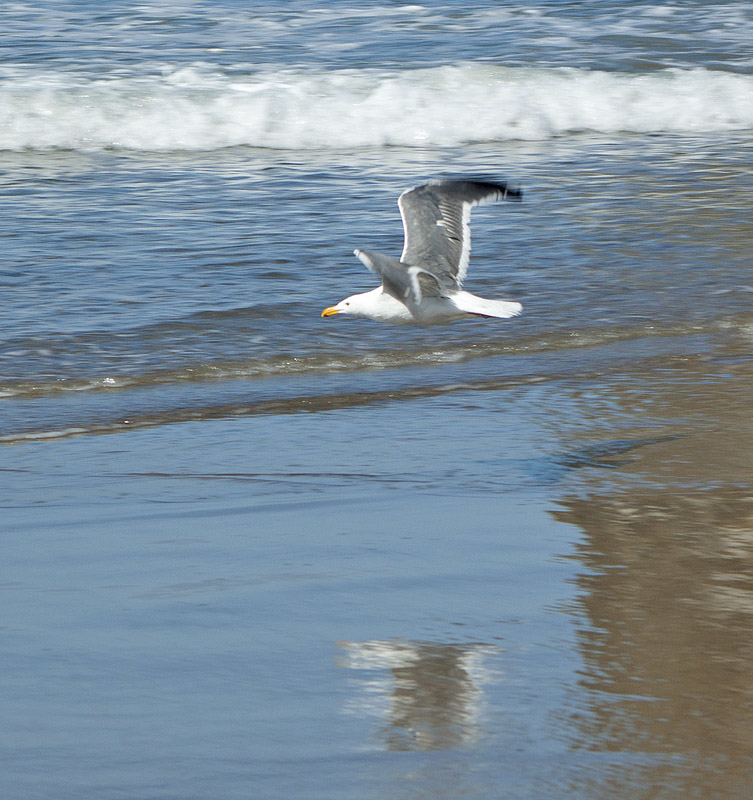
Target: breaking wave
202, 107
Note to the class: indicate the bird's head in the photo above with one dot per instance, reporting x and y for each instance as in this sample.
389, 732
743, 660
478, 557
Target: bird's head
353, 305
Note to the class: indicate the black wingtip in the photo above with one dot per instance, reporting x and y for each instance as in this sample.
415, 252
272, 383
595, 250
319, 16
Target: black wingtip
512, 191
470, 183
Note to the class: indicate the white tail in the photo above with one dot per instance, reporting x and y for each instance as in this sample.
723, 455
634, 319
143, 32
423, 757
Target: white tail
501, 309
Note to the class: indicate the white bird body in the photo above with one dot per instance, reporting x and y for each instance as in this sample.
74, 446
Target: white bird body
425, 286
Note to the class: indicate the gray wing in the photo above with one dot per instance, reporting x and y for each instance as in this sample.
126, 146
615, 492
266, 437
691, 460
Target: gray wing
408, 284
435, 221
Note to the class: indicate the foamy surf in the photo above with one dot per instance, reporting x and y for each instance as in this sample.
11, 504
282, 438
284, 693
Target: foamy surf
205, 108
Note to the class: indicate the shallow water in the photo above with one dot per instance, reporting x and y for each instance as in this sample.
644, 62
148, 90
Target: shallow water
252, 552
539, 597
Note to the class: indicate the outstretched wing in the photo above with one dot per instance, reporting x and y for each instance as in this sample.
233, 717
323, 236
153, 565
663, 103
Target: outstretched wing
405, 283
435, 221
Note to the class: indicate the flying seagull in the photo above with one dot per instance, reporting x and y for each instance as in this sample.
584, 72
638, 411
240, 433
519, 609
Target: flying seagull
425, 286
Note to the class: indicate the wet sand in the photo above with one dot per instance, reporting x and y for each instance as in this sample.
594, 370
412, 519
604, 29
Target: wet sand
540, 591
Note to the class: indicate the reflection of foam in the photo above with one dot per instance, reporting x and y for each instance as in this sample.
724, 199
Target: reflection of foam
428, 694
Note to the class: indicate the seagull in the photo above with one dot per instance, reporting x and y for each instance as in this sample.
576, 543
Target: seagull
425, 286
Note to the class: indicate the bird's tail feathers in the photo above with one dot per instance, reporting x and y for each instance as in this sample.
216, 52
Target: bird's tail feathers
501, 309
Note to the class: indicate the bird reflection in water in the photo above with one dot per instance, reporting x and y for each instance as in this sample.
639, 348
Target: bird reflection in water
429, 695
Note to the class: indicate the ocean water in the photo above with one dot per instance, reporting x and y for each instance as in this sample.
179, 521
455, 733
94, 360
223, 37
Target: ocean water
251, 552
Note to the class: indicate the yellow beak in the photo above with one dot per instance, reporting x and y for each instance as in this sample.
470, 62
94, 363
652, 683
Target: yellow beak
330, 312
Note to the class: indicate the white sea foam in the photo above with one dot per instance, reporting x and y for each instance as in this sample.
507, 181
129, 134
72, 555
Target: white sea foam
203, 108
